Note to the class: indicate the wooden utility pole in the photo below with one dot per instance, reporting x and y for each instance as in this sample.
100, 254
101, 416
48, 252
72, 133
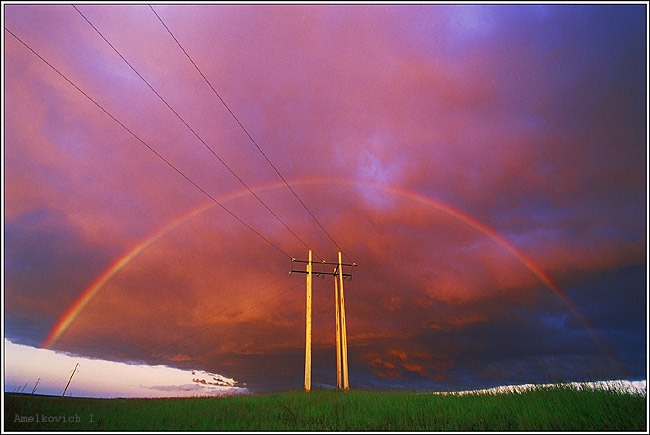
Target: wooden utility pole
308, 330
341, 331
344, 335
66, 385
338, 333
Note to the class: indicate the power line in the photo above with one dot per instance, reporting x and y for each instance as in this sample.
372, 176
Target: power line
191, 129
147, 145
249, 136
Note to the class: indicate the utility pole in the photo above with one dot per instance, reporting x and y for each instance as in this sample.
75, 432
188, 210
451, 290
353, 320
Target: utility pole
66, 385
37, 381
308, 329
341, 333
344, 334
338, 332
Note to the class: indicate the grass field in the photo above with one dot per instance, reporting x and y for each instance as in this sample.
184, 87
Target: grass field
540, 409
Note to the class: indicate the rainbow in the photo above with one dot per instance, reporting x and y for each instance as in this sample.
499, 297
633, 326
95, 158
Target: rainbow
492, 234
77, 306
73, 311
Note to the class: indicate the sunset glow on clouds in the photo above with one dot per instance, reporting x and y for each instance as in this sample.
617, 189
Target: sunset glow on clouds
485, 166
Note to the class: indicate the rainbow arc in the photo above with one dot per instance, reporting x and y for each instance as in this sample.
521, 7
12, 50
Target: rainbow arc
91, 291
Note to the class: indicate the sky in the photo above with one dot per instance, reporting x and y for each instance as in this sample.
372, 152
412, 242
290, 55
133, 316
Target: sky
88, 377
485, 166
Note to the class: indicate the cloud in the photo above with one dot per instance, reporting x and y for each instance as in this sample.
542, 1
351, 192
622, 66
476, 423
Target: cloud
185, 387
26, 364
530, 121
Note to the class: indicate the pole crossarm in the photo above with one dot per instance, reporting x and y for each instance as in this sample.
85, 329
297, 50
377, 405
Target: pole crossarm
345, 275
324, 262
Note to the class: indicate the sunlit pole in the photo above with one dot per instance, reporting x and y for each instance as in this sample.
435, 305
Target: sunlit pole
344, 339
341, 330
338, 334
308, 329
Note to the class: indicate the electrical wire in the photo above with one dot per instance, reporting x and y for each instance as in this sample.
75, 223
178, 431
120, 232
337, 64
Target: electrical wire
249, 136
147, 145
150, 148
191, 129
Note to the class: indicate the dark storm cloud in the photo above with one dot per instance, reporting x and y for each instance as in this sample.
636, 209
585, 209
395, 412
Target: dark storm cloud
47, 261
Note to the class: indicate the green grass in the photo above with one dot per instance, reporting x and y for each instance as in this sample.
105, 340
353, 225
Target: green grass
541, 409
